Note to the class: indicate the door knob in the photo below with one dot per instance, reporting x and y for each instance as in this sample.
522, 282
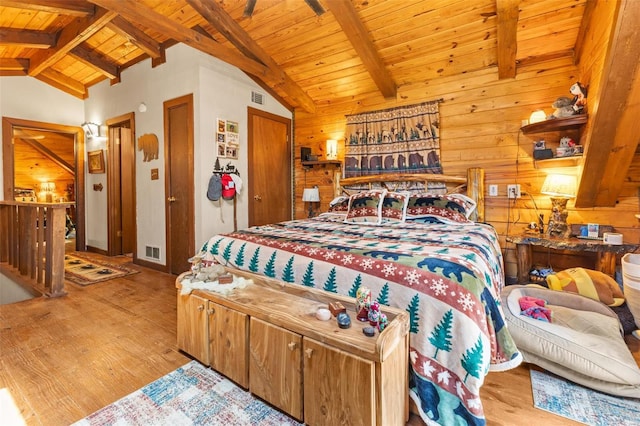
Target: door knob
257, 198
309, 352
292, 345
171, 199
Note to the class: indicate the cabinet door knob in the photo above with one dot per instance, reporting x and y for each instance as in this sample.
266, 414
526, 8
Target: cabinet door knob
201, 308
171, 199
308, 352
257, 198
211, 311
292, 345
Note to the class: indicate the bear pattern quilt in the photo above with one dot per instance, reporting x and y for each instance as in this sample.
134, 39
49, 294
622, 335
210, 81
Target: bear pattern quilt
447, 277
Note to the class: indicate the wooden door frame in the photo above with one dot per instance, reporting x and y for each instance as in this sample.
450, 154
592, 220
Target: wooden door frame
190, 221
8, 125
287, 121
113, 189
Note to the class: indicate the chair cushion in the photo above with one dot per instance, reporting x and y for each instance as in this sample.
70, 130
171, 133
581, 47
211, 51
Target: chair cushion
583, 342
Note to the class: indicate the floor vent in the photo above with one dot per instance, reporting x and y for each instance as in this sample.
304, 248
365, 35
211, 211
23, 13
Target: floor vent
257, 98
152, 252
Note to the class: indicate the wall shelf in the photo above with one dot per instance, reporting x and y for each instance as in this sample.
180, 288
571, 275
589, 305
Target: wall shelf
571, 161
555, 124
322, 163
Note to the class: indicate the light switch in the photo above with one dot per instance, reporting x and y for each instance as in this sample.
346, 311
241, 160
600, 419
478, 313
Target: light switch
493, 190
154, 174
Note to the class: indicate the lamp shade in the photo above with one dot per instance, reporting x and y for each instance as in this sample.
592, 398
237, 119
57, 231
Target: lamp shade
332, 149
559, 186
48, 186
537, 116
311, 195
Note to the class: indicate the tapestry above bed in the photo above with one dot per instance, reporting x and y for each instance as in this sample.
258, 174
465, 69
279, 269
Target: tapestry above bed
403, 139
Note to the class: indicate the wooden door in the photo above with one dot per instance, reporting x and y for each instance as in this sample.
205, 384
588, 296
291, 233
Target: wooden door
229, 343
275, 366
192, 331
339, 388
127, 191
269, 183
114, 200
179, 210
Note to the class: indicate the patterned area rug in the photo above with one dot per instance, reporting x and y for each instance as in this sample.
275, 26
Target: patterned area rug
190, 395
84, 270
567, 399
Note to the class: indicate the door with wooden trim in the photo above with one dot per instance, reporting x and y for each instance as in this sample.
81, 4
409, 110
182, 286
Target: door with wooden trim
179, 210
269, 183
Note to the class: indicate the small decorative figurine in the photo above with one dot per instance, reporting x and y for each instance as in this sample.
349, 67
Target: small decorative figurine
369, 331
363, 299
344, 320
382, 322
374, 313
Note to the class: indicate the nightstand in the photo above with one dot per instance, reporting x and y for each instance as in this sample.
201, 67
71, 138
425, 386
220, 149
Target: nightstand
605, 253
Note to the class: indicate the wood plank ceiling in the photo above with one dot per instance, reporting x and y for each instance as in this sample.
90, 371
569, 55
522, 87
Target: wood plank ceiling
306, 53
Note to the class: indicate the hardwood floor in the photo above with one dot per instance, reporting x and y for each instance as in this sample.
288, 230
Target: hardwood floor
62, 359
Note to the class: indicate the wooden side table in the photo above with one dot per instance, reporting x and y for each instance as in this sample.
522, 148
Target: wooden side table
605, 253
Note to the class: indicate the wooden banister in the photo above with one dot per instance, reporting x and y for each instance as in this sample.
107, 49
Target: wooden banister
32, 244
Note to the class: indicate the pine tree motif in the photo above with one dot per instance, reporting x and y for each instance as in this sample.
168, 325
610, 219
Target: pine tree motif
471, 257
217, 164
472, 360
240, 255
441, 335
356, 285
307, 278
215, 247
270, 268
254, 264
330, 284
383, 297
287, 273
205, 247
226, 255
443, 251
413, 314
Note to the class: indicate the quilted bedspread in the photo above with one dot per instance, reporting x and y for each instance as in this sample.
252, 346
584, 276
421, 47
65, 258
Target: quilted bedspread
447, 277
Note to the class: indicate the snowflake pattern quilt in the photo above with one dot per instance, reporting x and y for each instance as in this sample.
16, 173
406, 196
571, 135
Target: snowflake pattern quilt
447, 277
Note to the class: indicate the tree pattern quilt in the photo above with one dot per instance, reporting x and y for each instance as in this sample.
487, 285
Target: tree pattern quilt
447, 277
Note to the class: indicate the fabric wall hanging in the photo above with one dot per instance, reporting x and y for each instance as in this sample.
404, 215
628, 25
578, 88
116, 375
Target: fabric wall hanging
404, 139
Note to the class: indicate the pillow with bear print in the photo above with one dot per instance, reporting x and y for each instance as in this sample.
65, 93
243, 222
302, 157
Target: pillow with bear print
366, 207
394, 207
446, 208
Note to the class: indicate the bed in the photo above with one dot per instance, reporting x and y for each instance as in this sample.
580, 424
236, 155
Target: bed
412, 250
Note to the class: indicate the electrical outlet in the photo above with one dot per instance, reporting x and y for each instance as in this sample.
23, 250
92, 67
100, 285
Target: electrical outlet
493, 190
513, 191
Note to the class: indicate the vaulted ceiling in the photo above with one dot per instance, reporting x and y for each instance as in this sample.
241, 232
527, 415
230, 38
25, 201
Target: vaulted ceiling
307, 52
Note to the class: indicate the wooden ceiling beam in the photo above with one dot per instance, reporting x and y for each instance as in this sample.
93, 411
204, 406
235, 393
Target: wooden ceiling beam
347, 16
145, 43
27, 38
584, 30
62, 82
134, 11
507, 27
95, 60
70, 37
13, 65
615, 134
275, 76
78, 8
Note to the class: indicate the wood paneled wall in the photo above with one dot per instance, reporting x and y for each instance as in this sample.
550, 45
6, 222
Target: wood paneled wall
481, 118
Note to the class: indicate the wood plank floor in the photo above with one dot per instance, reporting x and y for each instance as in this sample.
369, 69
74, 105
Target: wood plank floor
62, 359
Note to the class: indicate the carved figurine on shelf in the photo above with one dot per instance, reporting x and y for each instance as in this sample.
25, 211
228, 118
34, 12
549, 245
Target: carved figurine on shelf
579, 101
374, 313
363, 301
558, 220
383, 322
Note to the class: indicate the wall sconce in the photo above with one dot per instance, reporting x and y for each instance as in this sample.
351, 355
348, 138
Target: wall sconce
537, 116
48, 188
332, 149
311, 196
560, 188
91, 129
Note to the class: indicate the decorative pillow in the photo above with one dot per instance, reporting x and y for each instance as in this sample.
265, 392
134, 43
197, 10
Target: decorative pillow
468, 202
447, 208
339, 205
394, 207
592, 284
366, 206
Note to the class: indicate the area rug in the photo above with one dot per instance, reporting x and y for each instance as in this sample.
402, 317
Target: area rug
567, 399
190, 395
84, 270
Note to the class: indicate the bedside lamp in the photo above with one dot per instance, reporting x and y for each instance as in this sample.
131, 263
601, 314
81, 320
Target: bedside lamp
48, 188
537, 116
332, 149
560, 188
311, 196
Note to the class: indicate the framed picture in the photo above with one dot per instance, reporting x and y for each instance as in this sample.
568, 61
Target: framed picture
222, 150
232, 151
96, 161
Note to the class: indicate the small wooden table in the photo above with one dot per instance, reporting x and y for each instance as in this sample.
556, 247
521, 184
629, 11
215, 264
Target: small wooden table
605, 253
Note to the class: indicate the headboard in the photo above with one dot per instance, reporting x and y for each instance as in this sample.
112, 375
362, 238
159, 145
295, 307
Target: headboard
473, 182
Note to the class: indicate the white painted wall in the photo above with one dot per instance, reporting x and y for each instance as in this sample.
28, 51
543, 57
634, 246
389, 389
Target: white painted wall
29, 99
220, 91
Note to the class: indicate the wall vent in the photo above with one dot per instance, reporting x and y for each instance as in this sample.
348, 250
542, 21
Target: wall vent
257, 98
152, 252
